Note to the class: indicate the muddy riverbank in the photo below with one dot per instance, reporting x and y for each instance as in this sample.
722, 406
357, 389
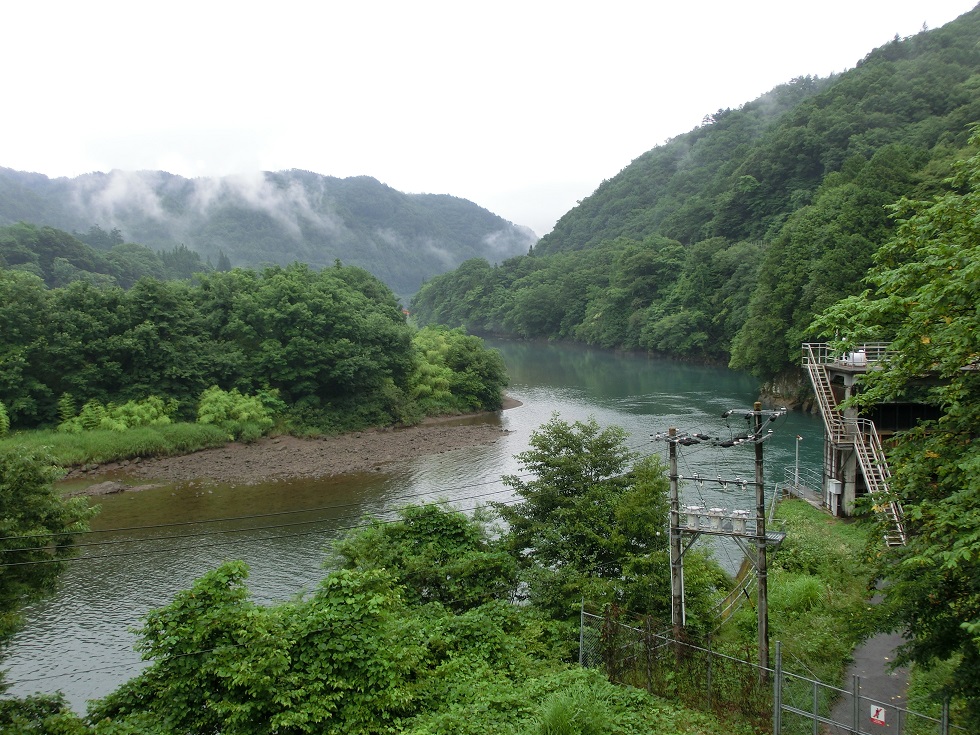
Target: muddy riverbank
287, 457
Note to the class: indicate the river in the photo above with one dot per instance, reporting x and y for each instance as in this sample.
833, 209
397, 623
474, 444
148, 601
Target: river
154, 543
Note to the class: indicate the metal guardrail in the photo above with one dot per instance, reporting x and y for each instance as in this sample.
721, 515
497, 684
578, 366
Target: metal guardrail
803, 477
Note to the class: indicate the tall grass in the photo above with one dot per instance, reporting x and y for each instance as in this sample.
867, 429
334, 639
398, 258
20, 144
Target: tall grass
818, 592
101, 446
574, 711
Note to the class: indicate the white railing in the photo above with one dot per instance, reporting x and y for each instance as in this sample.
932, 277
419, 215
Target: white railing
861, 355
814, 359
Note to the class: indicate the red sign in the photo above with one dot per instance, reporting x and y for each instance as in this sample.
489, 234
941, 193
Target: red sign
877, 715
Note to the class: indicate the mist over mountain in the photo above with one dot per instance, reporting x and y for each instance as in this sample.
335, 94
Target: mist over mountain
272, 218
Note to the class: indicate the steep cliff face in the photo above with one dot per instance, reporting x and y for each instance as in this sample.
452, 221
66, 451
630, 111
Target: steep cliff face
790, 389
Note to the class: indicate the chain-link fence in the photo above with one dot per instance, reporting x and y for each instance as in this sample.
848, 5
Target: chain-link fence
641, 652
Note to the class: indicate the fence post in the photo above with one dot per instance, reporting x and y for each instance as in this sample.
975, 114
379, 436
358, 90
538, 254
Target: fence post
581, 635
711, 657
856, 705
944, 724
648, 646
816, 707
777, 692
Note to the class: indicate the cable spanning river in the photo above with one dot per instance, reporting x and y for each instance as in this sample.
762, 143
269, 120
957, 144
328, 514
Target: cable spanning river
80, 640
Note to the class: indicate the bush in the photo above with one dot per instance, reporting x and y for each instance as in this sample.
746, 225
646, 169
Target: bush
4, 420
455, 372
242, 417
94, 416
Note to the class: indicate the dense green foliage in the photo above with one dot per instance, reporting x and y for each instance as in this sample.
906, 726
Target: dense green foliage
924, 297
150, 411
60, 258
255, 221
455, 373
727, 240
413, 634
37, 528
653, 295
437, 556
241, 417
332, 345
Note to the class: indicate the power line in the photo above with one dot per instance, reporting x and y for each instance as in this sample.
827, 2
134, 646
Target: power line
214, 544
227, 519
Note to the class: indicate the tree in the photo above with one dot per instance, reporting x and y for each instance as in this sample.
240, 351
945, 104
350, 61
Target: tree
589, 514
343, 660
25, 318
438, 555
924, 294
37, 529
224, 262
455, 372
41, 714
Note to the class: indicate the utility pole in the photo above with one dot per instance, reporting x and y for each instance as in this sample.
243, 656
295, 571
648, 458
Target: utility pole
676, 562
720, 522
760, 530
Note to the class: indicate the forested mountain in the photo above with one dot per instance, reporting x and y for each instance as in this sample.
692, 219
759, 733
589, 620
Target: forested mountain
272, 218
724, 242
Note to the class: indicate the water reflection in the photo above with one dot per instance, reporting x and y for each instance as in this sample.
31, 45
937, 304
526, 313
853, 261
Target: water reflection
86, 627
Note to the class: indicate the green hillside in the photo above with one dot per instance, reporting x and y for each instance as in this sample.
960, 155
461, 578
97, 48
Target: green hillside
272, 218
724, 242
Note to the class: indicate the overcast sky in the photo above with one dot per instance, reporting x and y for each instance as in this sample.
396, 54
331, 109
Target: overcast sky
522, 107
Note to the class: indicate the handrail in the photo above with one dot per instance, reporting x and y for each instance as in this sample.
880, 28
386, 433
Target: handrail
814, 360
808, 478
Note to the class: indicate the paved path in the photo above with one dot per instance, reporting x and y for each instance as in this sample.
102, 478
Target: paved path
880, 686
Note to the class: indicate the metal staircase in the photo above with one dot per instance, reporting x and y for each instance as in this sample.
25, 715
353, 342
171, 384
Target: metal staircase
874, 466
862, 435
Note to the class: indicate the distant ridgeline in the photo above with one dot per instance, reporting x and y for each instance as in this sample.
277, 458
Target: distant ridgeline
268, 218
724, 242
